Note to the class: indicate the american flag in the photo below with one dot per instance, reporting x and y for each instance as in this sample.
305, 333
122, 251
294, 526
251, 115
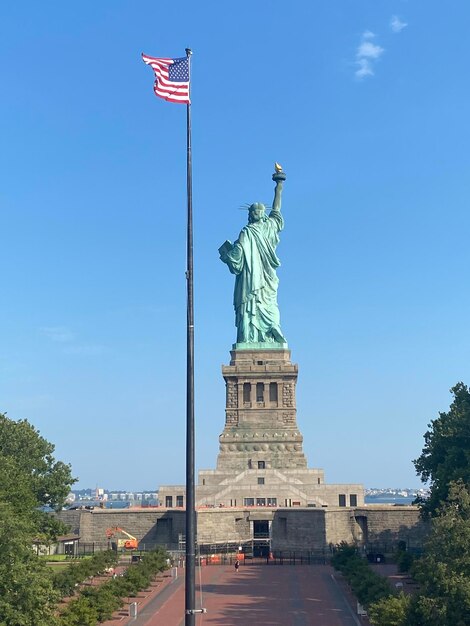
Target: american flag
172, 78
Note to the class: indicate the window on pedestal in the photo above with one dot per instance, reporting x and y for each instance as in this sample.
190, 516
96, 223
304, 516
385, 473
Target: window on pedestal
259, 392
273, 392
246, 392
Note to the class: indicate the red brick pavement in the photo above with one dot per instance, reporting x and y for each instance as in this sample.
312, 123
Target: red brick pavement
265, 595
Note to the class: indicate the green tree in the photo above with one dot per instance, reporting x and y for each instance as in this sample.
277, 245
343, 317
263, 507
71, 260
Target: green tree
98, 603
390, 611
446, 453
65, 581
443, 573
30, 478
367, 586
49, 481
27, 597
403, 558
79, 612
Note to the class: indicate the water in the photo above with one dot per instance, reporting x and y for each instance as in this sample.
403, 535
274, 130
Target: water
389, 499
109, 504
126, 504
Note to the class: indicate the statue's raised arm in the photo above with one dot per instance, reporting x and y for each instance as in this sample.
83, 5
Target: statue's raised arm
278, 177
252, 258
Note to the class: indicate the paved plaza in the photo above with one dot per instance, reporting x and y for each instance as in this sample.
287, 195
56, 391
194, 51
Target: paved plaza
265, 595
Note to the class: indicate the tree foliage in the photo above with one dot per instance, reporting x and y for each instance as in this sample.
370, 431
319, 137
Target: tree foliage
446, 454
65, 581
403, 558
48, 480
390, 611
30, 478
97, 604
367, 586
27, 597
443, 573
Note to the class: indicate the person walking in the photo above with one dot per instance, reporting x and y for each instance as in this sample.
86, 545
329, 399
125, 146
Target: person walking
237, 565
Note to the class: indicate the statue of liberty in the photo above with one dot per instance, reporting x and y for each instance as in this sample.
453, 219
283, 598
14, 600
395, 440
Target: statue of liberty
253, 260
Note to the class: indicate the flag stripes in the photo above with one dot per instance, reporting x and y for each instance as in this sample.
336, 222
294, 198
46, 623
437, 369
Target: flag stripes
172, 78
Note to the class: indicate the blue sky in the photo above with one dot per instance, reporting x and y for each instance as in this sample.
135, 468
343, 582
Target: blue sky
365, 104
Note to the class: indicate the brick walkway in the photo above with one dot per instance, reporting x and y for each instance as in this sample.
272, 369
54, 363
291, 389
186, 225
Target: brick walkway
301, 595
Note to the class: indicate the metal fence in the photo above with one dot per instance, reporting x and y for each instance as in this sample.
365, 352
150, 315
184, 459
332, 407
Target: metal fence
276, 558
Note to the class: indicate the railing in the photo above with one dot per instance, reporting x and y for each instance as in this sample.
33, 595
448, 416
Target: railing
226, 552
280, 558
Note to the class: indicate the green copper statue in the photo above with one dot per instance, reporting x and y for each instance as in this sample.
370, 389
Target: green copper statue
252, 258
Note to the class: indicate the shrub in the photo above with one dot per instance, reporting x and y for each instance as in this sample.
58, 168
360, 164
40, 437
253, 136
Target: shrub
367, 586
391, 611
66, 581
99, 603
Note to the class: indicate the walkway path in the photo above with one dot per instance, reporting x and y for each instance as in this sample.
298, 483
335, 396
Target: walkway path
301, 595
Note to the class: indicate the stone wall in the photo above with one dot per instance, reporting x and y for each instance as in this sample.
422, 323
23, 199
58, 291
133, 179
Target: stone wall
292, 528
339, 526
149, 526
73, 519
298, 529
389, 524
222, 525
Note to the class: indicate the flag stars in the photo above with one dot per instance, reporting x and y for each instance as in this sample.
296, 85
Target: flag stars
172, 78
179, 70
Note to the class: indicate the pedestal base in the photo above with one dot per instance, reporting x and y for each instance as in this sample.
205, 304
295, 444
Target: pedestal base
260, 416
260, 345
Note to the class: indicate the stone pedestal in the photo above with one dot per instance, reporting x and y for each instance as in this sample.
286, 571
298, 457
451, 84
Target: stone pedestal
261, 462
260, 416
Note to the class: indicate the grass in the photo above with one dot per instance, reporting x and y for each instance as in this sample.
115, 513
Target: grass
58, 567
58, 558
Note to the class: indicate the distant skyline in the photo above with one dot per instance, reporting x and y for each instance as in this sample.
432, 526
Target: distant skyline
366, 107
121, 491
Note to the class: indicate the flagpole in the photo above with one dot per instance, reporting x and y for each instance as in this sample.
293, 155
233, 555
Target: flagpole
190, 587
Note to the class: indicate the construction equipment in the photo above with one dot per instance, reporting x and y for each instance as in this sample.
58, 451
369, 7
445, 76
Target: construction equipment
131, 543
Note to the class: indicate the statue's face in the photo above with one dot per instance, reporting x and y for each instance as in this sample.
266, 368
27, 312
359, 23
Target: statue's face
256, 212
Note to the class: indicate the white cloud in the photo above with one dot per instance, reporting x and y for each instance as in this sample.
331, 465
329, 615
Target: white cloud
364, 69
397, 25
61, 334
368, 50
366, 53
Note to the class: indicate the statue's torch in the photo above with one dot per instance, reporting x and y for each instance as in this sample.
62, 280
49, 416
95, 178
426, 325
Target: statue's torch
279, 175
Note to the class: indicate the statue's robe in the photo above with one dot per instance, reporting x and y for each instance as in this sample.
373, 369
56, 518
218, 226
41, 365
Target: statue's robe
254, 261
